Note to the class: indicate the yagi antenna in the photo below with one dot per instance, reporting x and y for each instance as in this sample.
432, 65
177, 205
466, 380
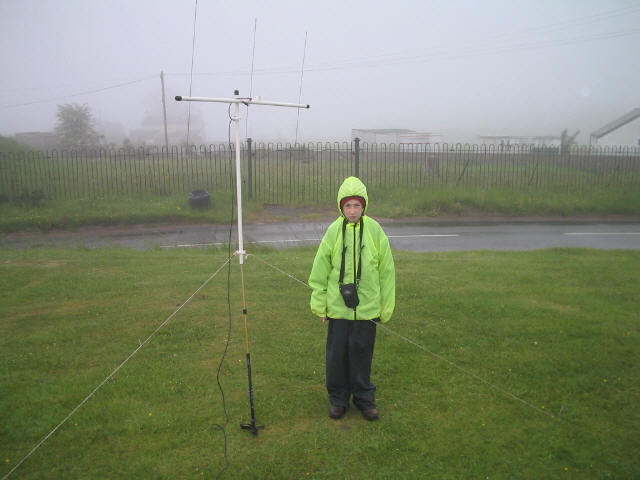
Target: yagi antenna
252, 426
236, 119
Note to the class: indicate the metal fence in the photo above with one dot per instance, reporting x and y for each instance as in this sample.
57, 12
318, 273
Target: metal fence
284, 173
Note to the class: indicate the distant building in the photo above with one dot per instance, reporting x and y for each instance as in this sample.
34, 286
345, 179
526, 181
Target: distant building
396, 136
37, 140
506, 142
151, 130
152, 133
623, 132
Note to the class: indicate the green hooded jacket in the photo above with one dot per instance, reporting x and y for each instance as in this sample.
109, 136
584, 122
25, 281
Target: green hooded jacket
376, 289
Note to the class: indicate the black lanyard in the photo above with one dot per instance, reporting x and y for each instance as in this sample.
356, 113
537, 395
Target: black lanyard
344, 249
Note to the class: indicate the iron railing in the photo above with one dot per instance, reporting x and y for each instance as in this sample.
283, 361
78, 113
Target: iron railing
285, 173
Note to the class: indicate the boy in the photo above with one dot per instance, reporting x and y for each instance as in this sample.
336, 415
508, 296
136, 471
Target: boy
353, 282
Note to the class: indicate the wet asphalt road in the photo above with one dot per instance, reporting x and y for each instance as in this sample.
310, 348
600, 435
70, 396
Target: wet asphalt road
413, 237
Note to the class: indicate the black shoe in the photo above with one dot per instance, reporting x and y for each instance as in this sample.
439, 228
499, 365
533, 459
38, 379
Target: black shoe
336, 412
371, 414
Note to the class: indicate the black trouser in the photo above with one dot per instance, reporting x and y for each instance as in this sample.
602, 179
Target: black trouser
349, 355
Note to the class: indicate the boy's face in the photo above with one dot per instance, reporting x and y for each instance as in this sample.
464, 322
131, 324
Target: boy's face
352, 210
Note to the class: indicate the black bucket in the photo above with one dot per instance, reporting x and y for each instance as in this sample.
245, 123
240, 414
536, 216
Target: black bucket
200, 199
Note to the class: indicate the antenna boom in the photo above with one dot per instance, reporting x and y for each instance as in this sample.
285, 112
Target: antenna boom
246, 101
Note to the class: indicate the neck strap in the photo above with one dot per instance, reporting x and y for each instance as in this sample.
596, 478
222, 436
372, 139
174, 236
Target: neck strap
344, 250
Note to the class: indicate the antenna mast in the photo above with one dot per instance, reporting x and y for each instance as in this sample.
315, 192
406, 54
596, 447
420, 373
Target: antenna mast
237, 100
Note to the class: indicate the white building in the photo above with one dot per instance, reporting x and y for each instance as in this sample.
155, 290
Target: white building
397, 136
623, 132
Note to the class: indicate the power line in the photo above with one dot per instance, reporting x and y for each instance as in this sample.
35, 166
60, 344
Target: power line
480, 51
513, 36
509, 43
439, 56
500, 43
72, 95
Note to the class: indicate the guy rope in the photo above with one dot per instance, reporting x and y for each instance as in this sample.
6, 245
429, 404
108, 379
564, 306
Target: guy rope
433, 354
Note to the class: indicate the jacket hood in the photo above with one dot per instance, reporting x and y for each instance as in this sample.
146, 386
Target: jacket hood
353, 187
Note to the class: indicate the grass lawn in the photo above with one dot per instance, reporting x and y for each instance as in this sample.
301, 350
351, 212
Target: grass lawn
557, 329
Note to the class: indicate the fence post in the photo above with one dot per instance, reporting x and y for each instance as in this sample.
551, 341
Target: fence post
356, 142
249, 170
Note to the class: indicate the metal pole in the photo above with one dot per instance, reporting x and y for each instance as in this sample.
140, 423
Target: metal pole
249, 169
236, 119
356, 141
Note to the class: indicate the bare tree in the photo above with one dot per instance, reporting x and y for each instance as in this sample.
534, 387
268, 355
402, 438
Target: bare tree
567, 141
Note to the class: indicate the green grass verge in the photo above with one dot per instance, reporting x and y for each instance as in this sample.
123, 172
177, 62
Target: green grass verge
393, 203
113, 211
436, 201
557, 328
9, 145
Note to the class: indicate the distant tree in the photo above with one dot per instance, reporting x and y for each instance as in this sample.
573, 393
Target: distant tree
75, 128
567, 141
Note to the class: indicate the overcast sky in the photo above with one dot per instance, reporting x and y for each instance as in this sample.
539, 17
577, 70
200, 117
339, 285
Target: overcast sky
462, 68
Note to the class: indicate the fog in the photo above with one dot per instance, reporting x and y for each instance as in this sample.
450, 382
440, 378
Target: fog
461, 68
